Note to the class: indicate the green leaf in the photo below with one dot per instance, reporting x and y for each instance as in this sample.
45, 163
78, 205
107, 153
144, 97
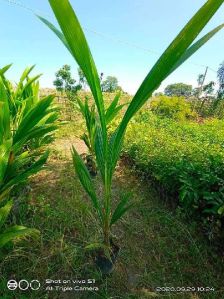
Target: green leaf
29, 82
4, 212
81, 106
221, 210
85, 179
25, 74
16, 232
100, 152
5, 130
121, 208
90, 119
111, 116
22, 176
196, 46
85, 138
113, 104
32, 118
59, 34
113, 109
5, 150
5, 69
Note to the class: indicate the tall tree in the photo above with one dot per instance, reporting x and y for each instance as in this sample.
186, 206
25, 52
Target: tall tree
110, 84
65, 82
178, 89
82, 78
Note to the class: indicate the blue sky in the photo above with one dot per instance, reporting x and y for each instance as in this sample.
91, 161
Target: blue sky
150, 24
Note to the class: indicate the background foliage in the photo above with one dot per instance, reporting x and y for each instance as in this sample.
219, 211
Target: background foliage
186, 158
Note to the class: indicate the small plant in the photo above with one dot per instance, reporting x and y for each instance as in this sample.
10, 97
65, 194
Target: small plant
107, 149
26, 123
17, 130
89, 114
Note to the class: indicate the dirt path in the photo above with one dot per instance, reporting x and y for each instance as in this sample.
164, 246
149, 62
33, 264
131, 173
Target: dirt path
64, 145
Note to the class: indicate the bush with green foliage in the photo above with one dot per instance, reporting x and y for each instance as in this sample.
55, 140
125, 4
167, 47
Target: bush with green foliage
186, 158
172, 107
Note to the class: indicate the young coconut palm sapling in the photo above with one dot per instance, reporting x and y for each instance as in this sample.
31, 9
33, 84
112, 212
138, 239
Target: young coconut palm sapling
88, 112
107, 149
26, 124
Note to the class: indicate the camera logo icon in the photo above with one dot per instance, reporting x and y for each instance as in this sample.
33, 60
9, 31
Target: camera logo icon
12, 285
23, 285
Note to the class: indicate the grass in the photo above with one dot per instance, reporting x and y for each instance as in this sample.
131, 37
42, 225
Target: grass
158, 249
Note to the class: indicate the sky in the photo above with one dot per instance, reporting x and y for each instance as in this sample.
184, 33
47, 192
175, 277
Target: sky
126, 38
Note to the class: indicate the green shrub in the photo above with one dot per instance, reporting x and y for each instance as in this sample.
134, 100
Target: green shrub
172, 107
187, 158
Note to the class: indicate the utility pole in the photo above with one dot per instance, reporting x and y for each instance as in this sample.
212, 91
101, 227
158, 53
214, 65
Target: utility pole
203, 81
201, 89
